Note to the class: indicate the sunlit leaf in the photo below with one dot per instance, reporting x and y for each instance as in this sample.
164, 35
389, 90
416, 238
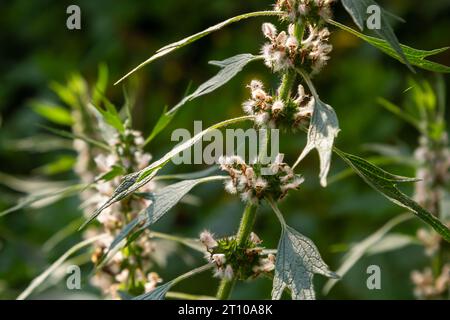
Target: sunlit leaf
229, 68
323, 129
386, 184
415, 57
134, 181
297, 260
358, 10
52, 112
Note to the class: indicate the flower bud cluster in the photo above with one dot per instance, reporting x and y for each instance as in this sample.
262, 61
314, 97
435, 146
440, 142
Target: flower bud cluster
275, 113
128, 155
234, 261
254, 182
284, 50
311, 10
429, 287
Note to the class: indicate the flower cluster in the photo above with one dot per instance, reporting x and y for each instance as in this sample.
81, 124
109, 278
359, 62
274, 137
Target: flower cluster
254, 182
275, 113
305, 9
133, 265
232, 260
284, 50
429, 287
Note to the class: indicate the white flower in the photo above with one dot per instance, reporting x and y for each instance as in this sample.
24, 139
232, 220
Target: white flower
230, 187
219, 259
254, 238
123, 276
277, 107
256, 84
228, 273
248, 106
269, 31
262, 118
259, 95
260, 184
219, 273
105, 163
208, 240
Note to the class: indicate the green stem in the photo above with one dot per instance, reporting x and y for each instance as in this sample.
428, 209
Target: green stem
288, 80
245, 228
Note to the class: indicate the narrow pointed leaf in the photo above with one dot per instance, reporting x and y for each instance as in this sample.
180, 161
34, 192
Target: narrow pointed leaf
229, 68
358, 11
134, 181
385, 183
179, 44
415, 56
162, 201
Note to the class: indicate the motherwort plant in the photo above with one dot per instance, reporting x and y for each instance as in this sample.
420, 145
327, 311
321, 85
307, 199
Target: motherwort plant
295, 51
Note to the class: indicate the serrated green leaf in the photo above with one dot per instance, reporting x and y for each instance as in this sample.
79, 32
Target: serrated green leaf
415, 56
134, 181
358, 10
52, 112
358, 250
298, 259
179, 44
323, 129
385, 183
229, 69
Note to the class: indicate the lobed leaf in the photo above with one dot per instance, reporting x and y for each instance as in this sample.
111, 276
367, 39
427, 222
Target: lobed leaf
323, 129
358, 10
298, 259
415, 56
385, 183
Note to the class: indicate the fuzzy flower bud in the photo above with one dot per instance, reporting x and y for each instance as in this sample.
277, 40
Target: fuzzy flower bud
208, 240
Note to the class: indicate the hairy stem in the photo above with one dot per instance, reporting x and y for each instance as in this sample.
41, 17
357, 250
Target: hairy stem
288, 79
245, 228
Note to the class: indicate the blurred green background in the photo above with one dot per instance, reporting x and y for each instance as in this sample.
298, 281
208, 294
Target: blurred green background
37, 48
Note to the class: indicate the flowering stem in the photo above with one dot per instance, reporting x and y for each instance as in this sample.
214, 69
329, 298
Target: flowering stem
288, 80
245, 228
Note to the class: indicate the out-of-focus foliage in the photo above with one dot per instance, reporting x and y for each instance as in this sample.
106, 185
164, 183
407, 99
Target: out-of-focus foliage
38, 49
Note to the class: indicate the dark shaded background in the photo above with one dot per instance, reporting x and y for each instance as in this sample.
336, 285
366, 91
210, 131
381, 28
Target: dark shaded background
37, 48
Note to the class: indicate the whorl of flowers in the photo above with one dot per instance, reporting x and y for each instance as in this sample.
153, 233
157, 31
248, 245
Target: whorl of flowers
275, 113
429, 287
232, 260
134, 265
305, 9
254, 182
284, 50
